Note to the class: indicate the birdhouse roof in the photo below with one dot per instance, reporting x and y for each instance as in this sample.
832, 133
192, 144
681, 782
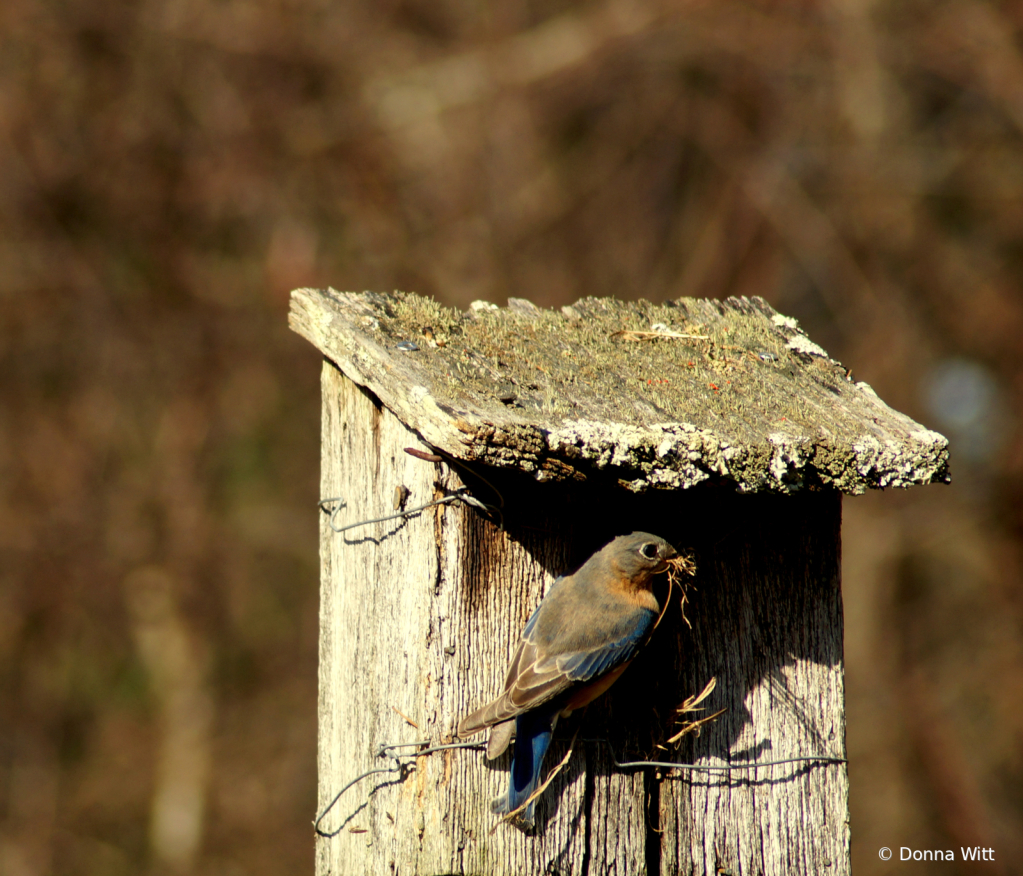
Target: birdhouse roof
651, 395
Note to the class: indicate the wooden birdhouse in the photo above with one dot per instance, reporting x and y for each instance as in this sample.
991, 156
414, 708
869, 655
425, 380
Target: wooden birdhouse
514, 442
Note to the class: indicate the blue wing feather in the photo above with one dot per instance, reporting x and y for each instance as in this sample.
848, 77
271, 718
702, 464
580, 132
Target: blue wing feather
587, 665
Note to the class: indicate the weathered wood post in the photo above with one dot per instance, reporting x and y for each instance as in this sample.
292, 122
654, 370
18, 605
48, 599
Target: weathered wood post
716, 424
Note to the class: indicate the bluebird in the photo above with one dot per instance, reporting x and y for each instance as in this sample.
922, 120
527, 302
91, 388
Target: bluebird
581, 637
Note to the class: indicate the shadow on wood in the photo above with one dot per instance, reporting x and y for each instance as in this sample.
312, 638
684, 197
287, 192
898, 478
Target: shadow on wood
765, 599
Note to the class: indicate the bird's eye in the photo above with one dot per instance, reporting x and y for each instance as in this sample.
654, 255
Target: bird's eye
649, 550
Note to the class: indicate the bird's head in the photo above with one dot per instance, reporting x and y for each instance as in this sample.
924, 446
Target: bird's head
639, 556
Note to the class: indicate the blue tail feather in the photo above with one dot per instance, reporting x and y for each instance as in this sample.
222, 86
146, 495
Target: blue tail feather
533, 732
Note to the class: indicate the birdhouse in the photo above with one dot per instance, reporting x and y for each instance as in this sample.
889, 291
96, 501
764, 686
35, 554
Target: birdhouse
469, 460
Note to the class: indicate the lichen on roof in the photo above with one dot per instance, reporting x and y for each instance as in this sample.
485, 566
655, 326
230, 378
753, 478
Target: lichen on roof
654, 395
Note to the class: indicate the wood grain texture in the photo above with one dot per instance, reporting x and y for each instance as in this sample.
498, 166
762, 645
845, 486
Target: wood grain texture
722, 391
769, 628
421, 616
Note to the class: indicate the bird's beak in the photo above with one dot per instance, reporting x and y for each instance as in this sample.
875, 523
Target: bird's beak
666, 562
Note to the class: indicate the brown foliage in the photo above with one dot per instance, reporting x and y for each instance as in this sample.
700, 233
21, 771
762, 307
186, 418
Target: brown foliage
169, 170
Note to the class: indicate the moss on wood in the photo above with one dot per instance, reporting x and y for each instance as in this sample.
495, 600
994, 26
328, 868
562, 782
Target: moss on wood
650, 395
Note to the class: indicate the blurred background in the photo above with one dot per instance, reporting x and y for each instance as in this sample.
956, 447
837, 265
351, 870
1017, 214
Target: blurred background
170, 169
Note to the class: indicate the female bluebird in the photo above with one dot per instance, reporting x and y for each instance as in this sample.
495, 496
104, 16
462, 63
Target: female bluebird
578, 641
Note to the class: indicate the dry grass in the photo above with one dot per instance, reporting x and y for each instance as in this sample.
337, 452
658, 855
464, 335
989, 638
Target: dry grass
684, 564
690, 705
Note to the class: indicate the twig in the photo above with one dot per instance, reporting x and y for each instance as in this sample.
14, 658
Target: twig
406, 717
629, 335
